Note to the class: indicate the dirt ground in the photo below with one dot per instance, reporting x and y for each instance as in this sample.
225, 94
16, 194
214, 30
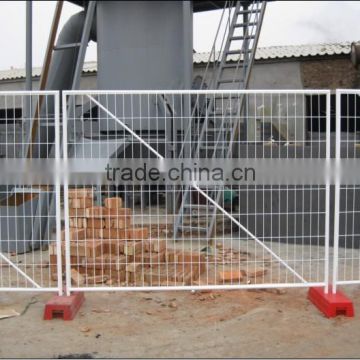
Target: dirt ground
181, 324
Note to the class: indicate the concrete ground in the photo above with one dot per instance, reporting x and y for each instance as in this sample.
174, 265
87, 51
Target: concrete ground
181, 324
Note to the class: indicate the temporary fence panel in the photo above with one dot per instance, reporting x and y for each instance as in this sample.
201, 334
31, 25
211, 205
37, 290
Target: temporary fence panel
123, 232
30, 220
346, 269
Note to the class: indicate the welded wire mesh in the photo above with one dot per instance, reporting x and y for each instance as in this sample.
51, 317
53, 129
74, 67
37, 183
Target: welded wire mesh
190, 233
29, 211
347, 196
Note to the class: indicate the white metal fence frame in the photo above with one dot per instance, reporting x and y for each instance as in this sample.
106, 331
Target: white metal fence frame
21, 138
346, 258
303, 283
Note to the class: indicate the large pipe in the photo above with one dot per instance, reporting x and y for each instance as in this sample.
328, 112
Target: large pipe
63, 61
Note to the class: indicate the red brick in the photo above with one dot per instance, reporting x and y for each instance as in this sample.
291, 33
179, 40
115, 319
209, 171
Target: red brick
77, 212
75, 234
106, 261
79, 223
94, 233
53, 248
74, 260
133, 267
255, 272
95, 223
117, 276
80, 203
231, 275
97, 279
81, 193
119, 212
119, 222
115, 234
148, 259
188, 257
76, 278
156, 245
53, 263
156, 275
170, 256
184, 276
96, 212
138, 233
87, 248
133, 248
113, 203
114, 246
172, 283
194, 262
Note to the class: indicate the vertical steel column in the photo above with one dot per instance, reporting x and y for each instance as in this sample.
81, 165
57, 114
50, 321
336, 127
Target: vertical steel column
28, 83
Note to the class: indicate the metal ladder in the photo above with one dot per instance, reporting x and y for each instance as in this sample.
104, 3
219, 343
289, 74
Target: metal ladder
217, 142
82, 46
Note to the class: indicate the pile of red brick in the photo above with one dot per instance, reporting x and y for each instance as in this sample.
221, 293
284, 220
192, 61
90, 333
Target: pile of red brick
106, 248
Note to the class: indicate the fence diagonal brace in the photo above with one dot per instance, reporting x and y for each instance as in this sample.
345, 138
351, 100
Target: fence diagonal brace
19, 270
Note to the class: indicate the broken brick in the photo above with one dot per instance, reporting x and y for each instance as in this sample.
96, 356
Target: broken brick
76, 278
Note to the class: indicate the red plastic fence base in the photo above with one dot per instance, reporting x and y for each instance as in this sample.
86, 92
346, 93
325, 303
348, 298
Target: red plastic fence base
331, 305
64, 307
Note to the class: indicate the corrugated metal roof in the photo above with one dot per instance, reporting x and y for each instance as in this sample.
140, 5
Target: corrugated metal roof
289, 51
262, 53
12, 74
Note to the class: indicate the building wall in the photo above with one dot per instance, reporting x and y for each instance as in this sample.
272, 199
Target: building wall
320, 73
308, 73
329, 74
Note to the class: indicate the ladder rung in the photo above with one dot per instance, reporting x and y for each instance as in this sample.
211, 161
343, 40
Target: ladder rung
235, 38
245, 25
67, 46
232, 66
199, 206
193, 228
227, 81
238, 52
250, 11
221, 113
215, 130
227, 97
214, 147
